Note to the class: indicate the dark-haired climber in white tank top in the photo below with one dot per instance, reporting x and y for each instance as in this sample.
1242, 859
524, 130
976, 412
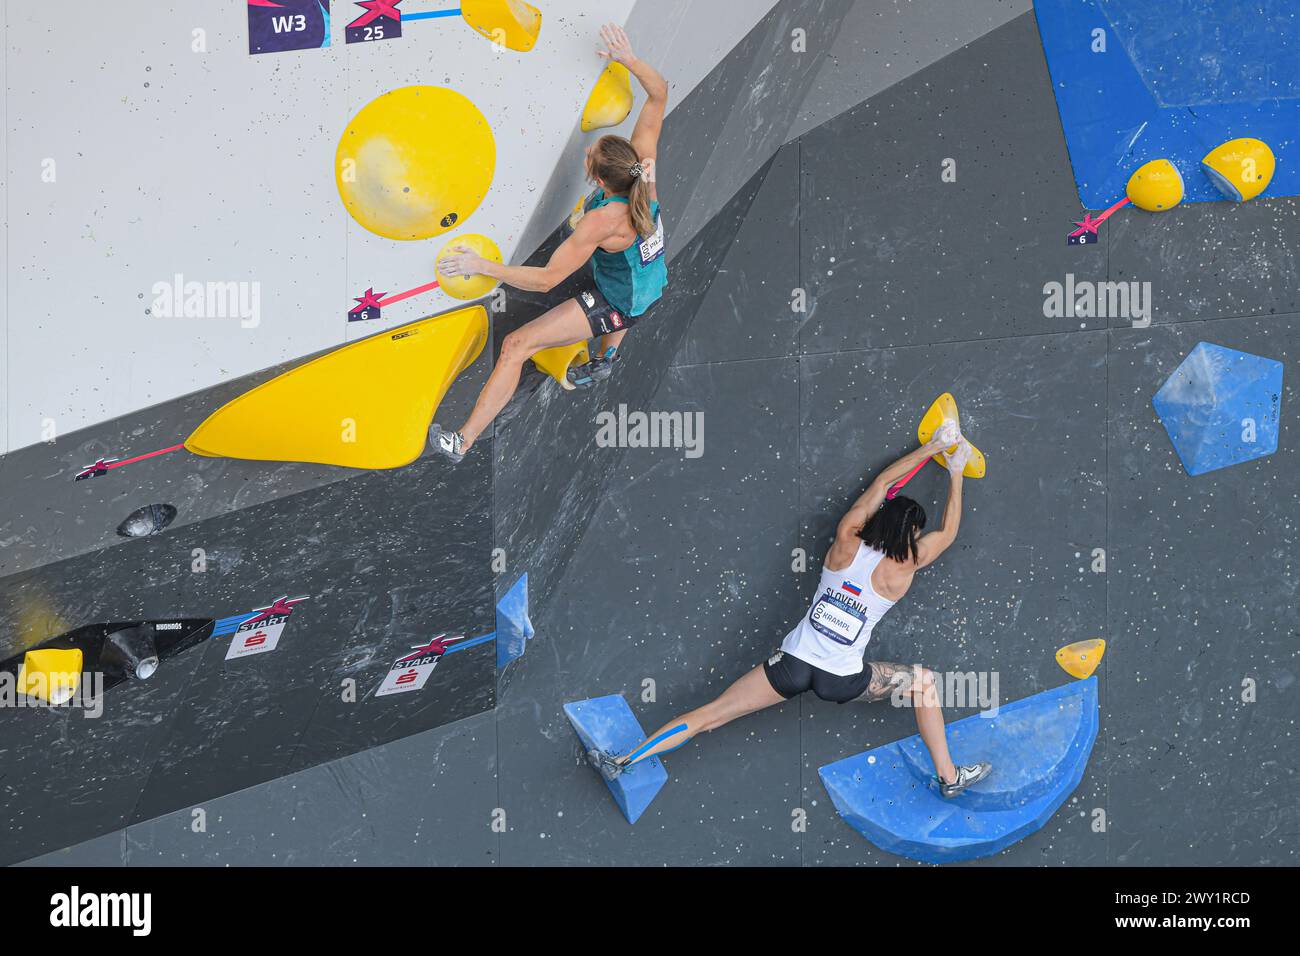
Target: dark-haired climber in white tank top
877, 551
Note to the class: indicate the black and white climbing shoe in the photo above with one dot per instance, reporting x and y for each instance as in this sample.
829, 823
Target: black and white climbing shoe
966, 777
591, 373
606, 765
450, 444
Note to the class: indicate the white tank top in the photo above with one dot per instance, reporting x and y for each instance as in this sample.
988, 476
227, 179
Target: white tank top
833, 635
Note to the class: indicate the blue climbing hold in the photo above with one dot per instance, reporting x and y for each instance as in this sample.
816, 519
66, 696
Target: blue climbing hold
1039, 748
608, 724
514, 629
1221, 407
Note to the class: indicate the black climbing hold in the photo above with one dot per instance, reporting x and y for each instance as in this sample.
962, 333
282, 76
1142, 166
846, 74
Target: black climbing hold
131, 652
146, 521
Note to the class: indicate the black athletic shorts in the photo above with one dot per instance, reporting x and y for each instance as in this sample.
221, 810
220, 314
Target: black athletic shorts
790, 677
603, 318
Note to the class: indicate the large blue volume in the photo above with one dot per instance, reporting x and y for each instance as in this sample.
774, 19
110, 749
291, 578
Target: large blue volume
608, 724
1221, 407
1137, 80
1039, 748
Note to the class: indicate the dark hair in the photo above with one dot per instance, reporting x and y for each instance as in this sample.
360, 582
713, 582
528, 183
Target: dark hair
894, 528
614, 162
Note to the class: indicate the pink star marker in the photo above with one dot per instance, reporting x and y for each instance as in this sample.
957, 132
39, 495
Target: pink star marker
376, 9
369, 299
1091, 225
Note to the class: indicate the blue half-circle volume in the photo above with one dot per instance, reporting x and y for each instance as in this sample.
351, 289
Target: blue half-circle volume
1039, 747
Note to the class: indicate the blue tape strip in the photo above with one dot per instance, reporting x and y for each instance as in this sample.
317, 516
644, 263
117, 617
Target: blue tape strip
431, 15
651, 744
472, 642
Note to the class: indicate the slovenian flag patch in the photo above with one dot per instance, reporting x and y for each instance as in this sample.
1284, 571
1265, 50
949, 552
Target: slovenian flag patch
852, 588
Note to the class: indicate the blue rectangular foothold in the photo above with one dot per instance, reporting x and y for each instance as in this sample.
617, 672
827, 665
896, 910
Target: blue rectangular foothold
514, 629
608, 724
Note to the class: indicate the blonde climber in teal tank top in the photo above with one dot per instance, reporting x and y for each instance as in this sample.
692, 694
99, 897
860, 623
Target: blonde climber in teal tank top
618, 230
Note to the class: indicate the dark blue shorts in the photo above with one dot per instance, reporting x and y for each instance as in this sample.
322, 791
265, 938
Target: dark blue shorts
791, 677
603, 318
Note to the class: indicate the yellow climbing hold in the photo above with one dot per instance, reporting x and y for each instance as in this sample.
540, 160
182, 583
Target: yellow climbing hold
415, 162
945, 409
557, 361
576, 214
50, 674
1240, 168
469, 287
365, 405
1081, 658
610, 101
508, 23
1156, 186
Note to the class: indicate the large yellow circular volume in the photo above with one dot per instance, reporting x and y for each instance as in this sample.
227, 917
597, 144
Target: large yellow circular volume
1240, 168
1156, 186
468, 287
415, 162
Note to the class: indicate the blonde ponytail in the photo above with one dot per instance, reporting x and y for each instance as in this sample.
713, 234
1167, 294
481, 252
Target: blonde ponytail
638, 207
615, 163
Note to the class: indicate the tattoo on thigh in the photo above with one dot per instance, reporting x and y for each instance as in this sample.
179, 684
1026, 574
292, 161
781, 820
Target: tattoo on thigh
886, 680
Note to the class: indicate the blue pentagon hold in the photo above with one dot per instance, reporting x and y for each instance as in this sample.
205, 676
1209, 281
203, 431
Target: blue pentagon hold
1221, 407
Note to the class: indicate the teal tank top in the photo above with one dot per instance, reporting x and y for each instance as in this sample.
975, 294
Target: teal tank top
634, 279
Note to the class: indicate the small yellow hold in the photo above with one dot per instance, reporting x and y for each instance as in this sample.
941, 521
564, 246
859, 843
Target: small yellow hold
576, 214
50, 674
512, 24
945, 409
1081, 658
1240, 168
468, 287
610, 101
1156, 186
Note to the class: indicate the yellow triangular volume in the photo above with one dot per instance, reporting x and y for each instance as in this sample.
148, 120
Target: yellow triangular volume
512, 24
945, 409
1081, 658
50, 674
365, 405
610, 101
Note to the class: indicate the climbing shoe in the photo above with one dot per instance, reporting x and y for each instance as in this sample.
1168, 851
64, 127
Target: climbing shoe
606, 765
966, 777
449, 444
590, 373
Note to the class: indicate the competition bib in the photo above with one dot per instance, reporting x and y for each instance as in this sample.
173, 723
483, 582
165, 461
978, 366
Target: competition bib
838, 621
652, 247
